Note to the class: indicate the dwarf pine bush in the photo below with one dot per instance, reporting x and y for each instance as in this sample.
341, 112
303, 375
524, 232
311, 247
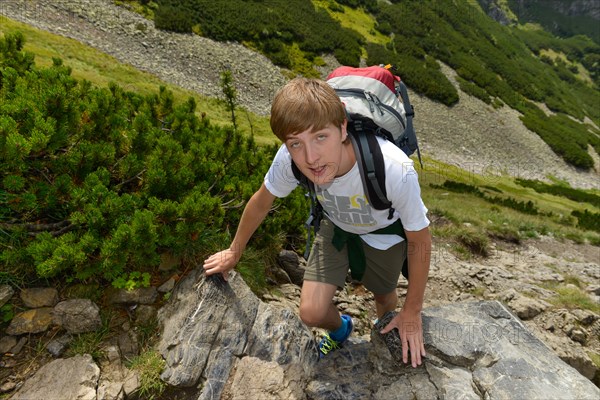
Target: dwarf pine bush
96, 183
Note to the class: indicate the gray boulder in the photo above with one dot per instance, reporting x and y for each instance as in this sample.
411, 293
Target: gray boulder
503, 358
7, 343
525, 307
39, 297
476, 350
77, 315
31, 321
292, 264
58, 346
70, 378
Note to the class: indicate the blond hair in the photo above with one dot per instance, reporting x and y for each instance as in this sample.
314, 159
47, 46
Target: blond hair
304, 104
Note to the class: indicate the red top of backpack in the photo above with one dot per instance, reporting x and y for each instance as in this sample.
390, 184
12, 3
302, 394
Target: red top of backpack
376, 72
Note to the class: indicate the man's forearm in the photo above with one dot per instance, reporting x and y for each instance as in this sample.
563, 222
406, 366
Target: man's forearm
254, 213
419, 258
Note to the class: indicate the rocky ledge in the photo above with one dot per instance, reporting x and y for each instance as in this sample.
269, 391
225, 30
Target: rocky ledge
220, 341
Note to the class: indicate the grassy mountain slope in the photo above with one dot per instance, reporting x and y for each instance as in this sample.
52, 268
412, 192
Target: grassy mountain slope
502, 65
101, 69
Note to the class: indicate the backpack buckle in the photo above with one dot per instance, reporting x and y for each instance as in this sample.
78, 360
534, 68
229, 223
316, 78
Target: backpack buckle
358, 125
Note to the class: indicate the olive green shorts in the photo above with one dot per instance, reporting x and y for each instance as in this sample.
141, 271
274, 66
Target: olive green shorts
328, 265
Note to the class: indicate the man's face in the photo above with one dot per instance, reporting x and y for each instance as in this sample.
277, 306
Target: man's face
320, 155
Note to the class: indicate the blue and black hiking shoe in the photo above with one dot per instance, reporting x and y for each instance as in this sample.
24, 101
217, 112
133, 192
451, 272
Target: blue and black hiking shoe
329, 344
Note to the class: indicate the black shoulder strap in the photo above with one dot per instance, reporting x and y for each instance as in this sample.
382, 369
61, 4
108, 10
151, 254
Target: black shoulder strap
313, 222
370, 164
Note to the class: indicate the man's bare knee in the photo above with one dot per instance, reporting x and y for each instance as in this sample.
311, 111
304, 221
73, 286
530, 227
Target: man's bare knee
386, 300
312, 315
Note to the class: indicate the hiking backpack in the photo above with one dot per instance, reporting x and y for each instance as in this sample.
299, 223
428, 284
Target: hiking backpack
371, 99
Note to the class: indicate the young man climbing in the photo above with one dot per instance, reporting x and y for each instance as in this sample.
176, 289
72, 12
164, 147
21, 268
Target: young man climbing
310, 120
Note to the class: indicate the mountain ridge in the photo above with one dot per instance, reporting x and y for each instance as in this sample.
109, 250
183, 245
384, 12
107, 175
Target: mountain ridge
505, 10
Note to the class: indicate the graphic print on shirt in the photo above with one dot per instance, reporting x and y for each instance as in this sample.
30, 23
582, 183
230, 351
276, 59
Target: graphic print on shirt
351, 210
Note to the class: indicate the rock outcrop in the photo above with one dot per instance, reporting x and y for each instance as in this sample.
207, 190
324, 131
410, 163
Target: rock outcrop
265, 352
209, 325
221, 339
495, 11
587, 8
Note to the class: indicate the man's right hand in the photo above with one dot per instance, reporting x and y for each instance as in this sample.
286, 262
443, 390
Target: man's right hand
221, 262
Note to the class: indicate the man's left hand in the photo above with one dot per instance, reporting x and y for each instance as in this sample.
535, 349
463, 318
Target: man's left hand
410, 328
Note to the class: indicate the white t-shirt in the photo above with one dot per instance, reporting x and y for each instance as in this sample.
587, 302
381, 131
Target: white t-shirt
346, 204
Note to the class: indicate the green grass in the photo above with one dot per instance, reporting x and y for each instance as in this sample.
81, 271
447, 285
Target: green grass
87, 343
437, 172
486, 219
101, 69
147, 11
573, 298
92, 291
570, 293
467, 240
582, 74
477, 291
300, 65
356, 19
90, 342
149, 365
147, 332
573, 280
